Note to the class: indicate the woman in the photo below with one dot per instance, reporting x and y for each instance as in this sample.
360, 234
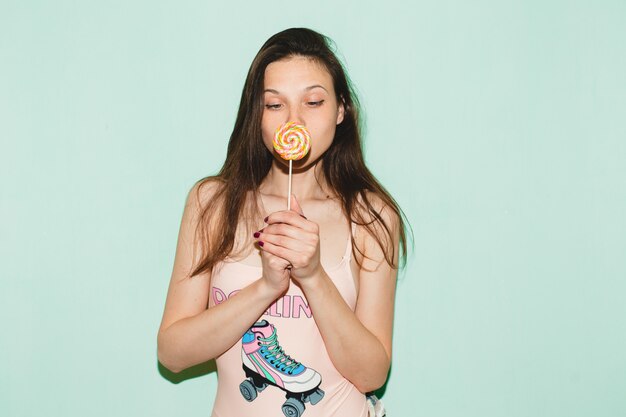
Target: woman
295, 305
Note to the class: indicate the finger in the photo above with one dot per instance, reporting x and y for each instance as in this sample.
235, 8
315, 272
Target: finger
294, 245
292, 218
295, 206
275, 262
284, 229
296, 259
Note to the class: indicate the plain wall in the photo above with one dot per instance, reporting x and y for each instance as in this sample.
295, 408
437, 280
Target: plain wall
498, 126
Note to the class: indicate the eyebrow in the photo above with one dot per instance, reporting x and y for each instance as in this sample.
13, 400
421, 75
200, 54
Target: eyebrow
311, 87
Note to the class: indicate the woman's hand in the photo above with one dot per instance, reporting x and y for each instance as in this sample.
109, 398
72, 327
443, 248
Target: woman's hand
294, 240
275, 270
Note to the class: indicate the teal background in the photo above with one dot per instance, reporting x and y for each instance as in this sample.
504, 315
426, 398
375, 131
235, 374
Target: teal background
498, 126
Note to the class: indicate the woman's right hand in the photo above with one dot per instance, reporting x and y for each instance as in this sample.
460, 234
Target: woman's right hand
276, 272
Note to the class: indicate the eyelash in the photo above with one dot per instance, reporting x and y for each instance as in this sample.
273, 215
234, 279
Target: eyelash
312, 103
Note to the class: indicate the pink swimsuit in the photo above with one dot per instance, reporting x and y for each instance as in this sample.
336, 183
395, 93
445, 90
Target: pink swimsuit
280, 366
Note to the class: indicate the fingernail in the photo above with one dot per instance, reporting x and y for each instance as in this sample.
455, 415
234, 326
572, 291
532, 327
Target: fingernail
256, 234
265, 219
261, 243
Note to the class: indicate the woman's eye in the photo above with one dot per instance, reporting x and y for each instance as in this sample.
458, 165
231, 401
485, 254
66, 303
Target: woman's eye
272, 106
315, 103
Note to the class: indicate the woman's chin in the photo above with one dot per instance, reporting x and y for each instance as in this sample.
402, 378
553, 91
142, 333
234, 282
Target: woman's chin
298, 165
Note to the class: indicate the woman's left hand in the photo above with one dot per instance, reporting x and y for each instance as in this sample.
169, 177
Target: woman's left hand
289, 235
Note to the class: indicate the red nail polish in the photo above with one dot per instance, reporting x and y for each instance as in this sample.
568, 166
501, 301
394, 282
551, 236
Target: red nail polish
256, 234
261, 243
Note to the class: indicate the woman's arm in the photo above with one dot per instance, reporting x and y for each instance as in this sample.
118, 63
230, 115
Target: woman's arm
359, 342
190, 333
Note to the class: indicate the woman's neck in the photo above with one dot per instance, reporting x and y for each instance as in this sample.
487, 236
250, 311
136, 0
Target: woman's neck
306, 184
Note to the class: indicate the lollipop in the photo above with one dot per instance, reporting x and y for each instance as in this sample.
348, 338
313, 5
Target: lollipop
291, 142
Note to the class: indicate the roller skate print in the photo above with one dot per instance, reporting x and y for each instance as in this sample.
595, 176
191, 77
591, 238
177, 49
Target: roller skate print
265, 363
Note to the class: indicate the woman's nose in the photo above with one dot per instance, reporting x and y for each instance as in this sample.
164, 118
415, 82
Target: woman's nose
294, 116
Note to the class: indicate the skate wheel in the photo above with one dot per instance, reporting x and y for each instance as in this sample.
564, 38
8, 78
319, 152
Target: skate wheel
247, 390
316, 396
293, 407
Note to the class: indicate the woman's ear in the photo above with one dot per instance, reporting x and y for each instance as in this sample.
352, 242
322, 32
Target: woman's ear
341, 110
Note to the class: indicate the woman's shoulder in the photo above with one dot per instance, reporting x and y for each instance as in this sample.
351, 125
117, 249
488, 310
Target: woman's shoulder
201, 202
204, 191
372, 207
378, 225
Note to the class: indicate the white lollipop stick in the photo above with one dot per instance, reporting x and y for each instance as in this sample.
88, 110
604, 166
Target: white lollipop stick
289, 189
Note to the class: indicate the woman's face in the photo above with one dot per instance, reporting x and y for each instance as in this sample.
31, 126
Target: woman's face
300, 90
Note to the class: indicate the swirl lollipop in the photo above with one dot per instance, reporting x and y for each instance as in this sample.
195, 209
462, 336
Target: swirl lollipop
291, 142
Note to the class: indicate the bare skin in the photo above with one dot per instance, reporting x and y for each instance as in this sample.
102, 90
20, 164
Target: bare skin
294, 248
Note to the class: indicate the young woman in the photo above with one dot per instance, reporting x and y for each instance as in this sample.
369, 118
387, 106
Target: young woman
296, 306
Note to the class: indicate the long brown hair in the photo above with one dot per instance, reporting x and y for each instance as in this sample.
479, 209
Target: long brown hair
248, 161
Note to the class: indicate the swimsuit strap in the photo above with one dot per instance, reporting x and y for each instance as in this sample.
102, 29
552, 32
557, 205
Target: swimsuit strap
348, 253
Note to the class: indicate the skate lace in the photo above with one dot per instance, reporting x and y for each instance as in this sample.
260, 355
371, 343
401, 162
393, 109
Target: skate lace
279, 359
